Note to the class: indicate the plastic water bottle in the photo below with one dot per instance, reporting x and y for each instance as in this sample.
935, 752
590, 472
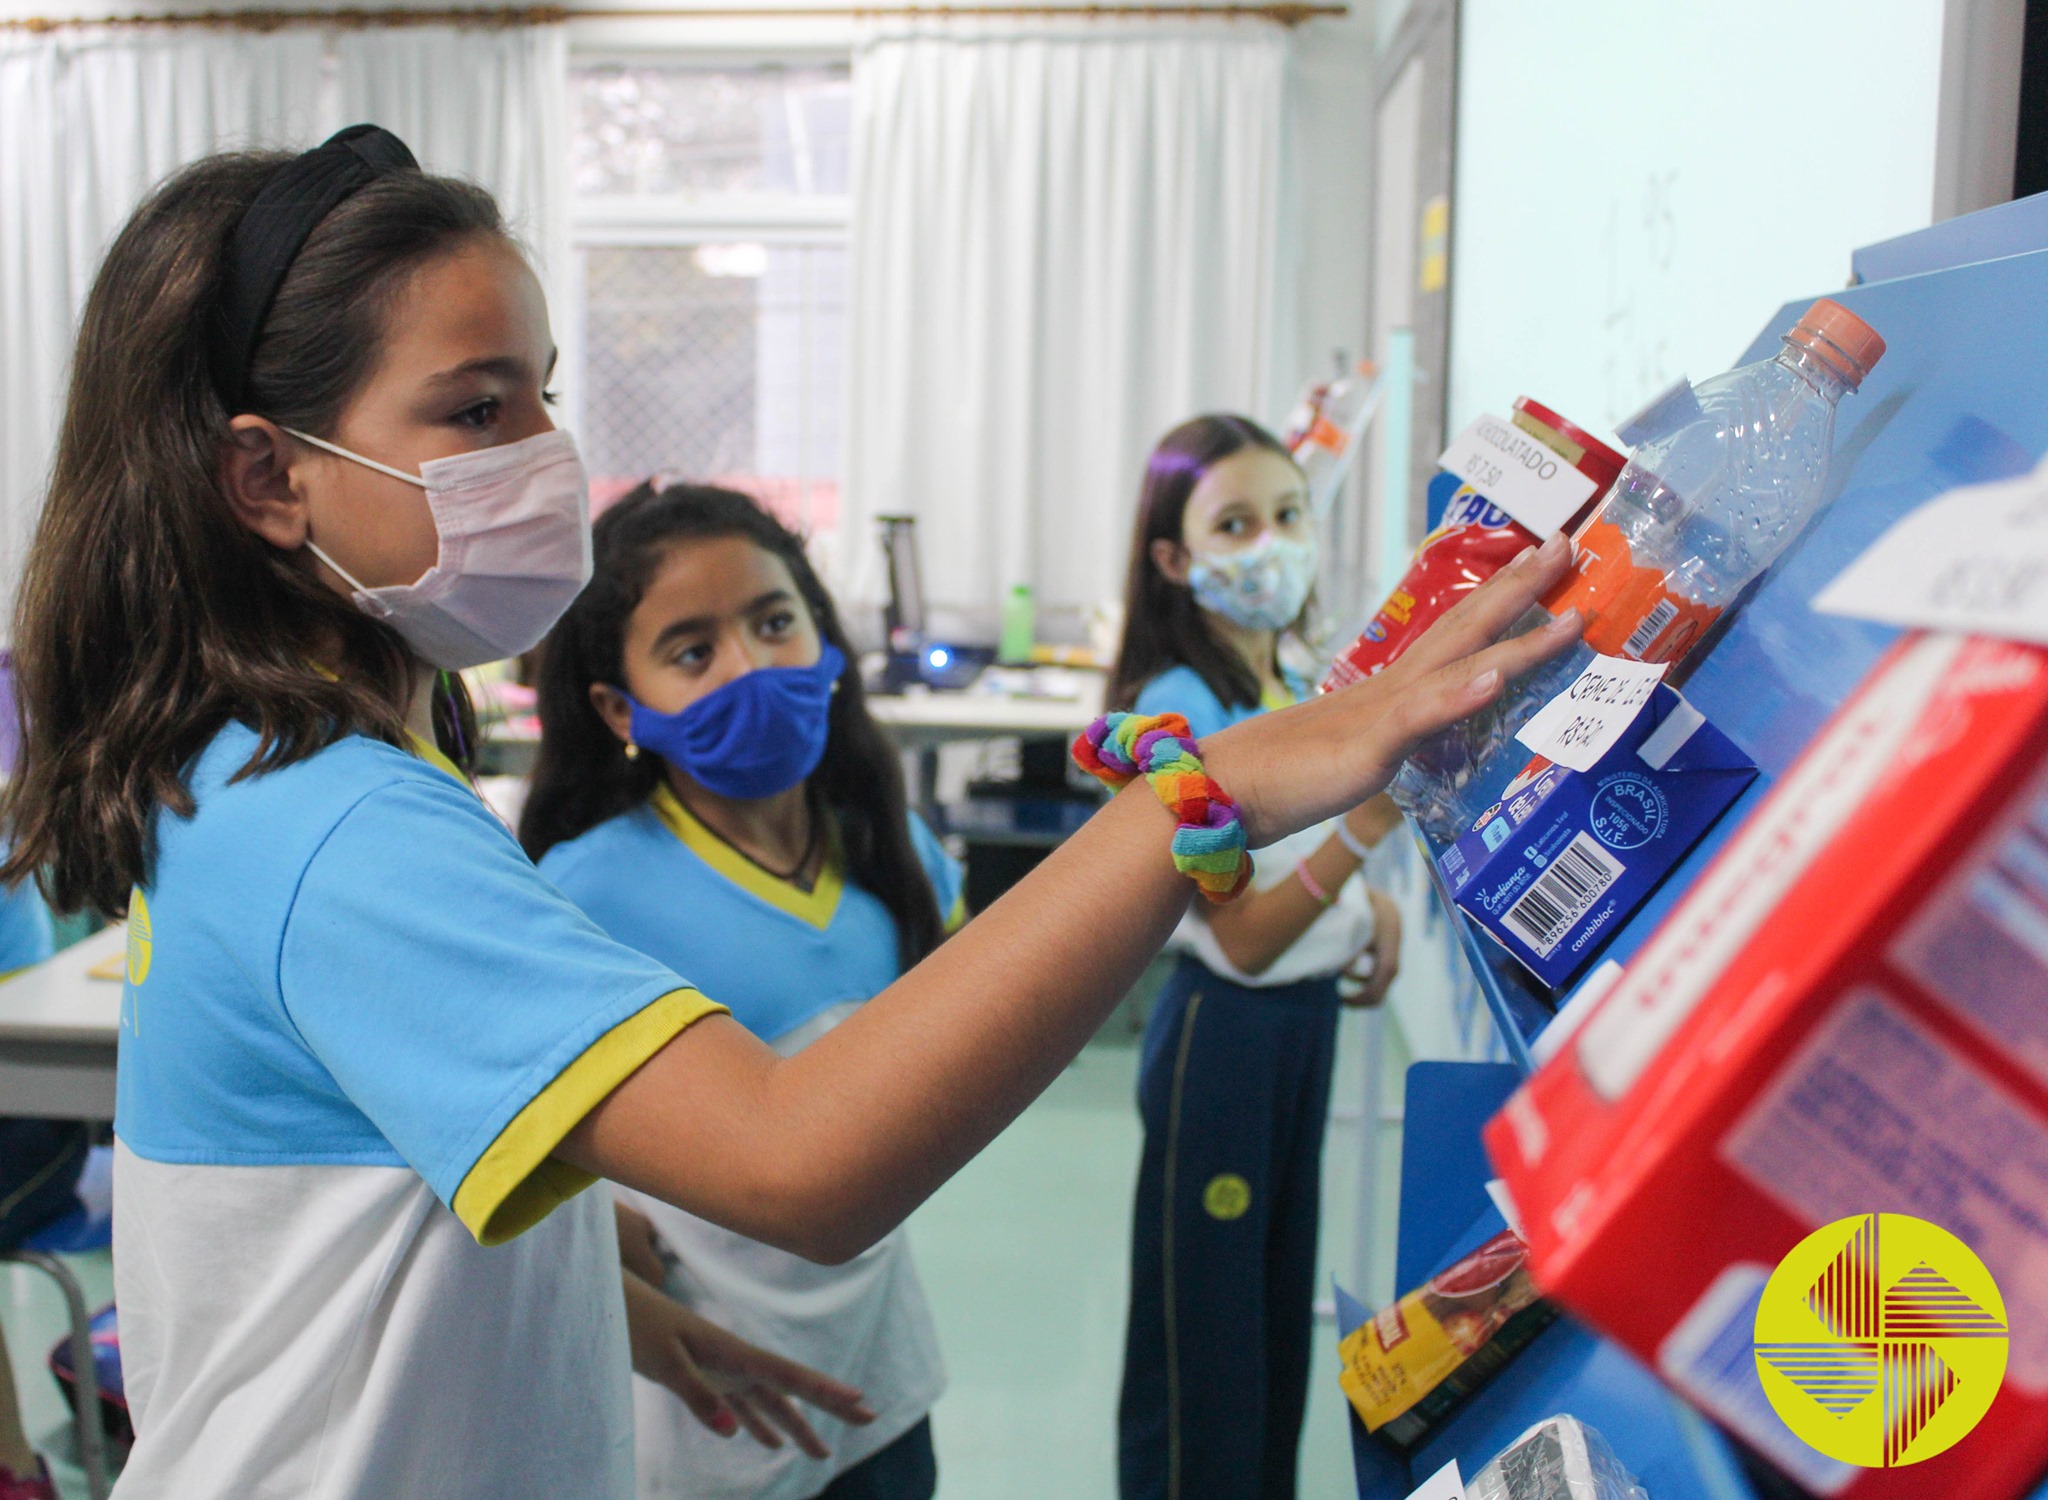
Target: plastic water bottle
1019, 626
1727, 475
1326, 448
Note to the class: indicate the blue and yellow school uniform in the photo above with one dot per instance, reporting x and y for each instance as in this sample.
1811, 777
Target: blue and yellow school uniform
1233, 1088
25, 936
39, 1159
791, 963
357, 1023
656, 879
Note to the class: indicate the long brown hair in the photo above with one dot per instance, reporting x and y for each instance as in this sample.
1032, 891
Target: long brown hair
149, 616
1163, 625
583, 776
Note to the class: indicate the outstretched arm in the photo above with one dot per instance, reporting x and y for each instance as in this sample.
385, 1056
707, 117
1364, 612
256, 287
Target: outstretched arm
824, 1152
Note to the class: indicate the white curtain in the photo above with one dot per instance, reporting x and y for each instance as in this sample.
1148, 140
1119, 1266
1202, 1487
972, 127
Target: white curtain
492, 106
1065, 240
90, 121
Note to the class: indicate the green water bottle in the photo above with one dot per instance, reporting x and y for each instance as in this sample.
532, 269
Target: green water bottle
1020, 626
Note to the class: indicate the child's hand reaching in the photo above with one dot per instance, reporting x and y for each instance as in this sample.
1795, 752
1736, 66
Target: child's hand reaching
1300, 765
728, 1383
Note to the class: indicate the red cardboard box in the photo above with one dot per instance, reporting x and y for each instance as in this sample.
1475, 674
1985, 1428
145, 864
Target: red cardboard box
1848, 1014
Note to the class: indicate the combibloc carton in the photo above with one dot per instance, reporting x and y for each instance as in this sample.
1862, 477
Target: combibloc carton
1558, 864
1847, 1015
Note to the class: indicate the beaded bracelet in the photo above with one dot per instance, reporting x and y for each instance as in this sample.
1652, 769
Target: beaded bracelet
1209, 845
1313, 886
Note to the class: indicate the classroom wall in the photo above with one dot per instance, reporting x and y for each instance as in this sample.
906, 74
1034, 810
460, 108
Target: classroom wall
1640, 187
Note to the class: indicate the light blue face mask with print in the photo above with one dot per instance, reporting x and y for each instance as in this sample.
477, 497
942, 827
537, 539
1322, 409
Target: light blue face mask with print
1264, 587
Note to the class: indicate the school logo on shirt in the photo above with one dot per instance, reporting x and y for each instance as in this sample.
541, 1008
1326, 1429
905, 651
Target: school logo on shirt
140, 938
1881, 1340
1227, 1196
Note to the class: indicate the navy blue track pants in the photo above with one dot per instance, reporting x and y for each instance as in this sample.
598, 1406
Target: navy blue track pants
1234, 1089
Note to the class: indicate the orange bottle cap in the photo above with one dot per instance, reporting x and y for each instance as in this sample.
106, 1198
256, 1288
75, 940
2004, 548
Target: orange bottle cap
1838, 339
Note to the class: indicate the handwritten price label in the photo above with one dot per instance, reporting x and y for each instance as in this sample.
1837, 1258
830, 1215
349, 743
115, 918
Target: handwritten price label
1973, 560
1517, 473
1582, 723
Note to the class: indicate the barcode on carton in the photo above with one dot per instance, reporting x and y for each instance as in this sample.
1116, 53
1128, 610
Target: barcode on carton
1645, 634
1579, 876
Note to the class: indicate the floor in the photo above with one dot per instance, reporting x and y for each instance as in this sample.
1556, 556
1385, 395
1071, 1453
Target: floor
1024, 1257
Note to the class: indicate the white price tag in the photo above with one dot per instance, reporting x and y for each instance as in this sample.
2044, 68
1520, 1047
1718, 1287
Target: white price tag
1582, 723
1517, 473
1445, 1484
1973, 560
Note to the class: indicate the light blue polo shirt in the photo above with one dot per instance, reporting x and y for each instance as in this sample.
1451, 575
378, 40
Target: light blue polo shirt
792, 964
25, 936
1181, 690
658, 880
357, 1024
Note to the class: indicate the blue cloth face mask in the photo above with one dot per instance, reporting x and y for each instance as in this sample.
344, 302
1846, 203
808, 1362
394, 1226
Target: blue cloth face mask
757, 736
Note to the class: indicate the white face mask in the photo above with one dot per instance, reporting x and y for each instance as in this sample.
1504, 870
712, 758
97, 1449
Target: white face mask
514, 528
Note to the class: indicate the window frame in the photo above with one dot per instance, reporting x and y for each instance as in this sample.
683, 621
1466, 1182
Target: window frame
684, 220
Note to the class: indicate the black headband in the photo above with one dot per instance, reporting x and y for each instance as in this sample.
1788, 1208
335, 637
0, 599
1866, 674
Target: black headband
274, 228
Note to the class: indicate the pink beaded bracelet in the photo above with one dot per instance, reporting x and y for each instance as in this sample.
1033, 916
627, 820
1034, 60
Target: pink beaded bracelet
1312, 885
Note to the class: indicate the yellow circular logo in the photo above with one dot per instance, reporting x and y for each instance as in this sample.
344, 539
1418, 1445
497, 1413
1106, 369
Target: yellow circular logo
1227, 1196
139, 938
1881, 1340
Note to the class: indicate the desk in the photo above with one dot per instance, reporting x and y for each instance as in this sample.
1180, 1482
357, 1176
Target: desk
921, 722
926, 720
58, 1027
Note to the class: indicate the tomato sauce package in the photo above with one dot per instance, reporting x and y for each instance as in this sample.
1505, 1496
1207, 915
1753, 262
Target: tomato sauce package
1477, 537
1408, 1367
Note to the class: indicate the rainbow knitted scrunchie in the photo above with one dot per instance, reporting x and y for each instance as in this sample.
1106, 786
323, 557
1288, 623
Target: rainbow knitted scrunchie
1209, 846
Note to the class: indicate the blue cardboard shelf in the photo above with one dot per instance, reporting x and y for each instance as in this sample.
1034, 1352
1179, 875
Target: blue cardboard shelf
1675, 1453
1959, 398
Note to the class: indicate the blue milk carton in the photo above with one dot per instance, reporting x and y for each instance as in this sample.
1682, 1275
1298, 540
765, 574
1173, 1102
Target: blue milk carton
1565, 856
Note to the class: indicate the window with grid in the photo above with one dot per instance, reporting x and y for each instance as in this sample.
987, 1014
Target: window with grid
710, 240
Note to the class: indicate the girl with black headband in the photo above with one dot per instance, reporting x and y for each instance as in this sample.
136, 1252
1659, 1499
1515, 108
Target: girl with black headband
370, 1059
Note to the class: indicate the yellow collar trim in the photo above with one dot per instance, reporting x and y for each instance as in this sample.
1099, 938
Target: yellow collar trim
1277, 698
431, 754
815, 906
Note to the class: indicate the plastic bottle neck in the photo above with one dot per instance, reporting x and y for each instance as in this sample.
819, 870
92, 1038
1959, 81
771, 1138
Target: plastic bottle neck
1814, 370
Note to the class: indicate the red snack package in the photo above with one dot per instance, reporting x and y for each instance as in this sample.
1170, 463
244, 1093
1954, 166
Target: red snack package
1475, 540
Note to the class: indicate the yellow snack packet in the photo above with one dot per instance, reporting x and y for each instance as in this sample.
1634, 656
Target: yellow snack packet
1410, 1365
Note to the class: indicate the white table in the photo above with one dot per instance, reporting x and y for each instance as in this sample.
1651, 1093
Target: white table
58, 1029
918, 720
